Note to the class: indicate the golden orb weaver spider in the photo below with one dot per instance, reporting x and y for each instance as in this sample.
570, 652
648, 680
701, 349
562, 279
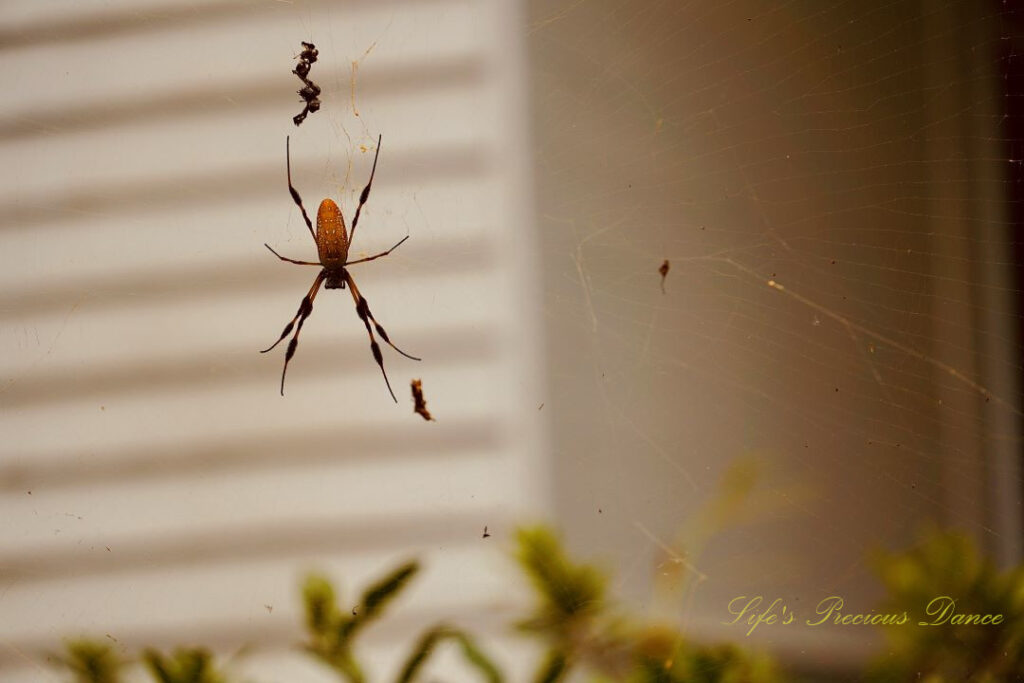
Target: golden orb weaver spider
332, 244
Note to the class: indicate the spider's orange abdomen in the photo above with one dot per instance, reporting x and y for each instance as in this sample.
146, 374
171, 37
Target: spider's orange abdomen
331, 236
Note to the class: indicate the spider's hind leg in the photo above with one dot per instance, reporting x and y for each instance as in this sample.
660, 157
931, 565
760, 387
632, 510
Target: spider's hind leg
363, 310
305, 309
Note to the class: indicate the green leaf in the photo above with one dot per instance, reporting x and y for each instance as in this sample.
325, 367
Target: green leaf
349, 667
332, 630
420, 653
470, 651
568, 590
186, 665
382, 592
554, 667
319, 600
91, 662
476, 657
157, 666
375, 598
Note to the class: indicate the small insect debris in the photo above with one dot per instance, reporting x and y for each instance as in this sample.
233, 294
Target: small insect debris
664, 273
420, 406
310, 92
486, 535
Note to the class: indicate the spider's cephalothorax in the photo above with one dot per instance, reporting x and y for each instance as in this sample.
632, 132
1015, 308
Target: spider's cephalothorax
332, 244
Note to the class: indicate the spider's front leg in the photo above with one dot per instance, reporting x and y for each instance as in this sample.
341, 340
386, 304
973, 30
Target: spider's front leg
291, 188
305, 309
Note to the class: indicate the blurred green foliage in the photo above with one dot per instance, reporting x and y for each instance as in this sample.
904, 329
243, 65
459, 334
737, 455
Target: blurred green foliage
473, 655
332, 631
186, 665
581, 630
572, 616
584, 636
91, 661
950, 564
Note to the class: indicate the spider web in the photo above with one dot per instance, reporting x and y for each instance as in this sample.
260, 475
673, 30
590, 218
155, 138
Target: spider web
832, 184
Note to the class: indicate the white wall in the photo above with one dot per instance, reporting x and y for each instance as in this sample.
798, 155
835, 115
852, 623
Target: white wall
155, 486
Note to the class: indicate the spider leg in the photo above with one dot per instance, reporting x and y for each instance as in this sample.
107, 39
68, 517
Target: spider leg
363, 307
291, 188
305, 308
291, 260
368, 258
366, 192
363, 310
